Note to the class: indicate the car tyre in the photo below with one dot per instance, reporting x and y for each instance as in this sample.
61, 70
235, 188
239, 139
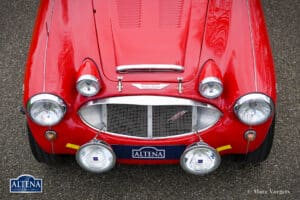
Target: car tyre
264, 150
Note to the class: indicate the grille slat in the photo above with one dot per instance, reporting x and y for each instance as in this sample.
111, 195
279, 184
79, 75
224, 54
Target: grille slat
132, 120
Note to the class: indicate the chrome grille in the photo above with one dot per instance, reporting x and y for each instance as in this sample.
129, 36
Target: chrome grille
133, 120
128, 120
171, 120
148, 116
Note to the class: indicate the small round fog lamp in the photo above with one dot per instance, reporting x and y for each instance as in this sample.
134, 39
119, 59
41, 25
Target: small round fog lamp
200, 159
96, 157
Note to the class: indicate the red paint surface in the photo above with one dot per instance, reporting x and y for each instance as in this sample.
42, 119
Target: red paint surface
221, 31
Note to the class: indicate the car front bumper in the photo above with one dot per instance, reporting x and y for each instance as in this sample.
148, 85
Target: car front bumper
227, 136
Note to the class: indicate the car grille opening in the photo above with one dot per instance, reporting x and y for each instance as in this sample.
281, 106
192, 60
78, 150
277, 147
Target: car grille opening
171, 120
138, 117
128, 120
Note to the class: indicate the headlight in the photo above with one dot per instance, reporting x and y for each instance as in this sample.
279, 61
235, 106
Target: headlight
87, 85
96, 156
46, 109
254, 109
211, 87
200, 159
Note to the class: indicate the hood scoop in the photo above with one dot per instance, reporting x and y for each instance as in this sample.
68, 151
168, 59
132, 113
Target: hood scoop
159, 36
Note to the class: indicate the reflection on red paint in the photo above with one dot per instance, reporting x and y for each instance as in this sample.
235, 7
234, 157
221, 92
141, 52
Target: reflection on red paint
218, 25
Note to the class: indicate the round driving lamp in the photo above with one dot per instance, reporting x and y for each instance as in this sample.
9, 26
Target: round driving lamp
200, 159
96, 156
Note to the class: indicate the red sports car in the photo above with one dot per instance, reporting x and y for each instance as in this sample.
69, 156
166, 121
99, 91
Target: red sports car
150, 82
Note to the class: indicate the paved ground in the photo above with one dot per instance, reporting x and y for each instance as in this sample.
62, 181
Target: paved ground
231, 181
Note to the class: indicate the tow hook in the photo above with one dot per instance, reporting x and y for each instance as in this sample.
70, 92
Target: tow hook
22, 110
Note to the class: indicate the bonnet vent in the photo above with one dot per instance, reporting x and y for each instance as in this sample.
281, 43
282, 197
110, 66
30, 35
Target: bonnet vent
129, 12
170, 12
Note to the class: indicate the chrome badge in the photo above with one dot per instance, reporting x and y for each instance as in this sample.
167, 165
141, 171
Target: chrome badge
148, 153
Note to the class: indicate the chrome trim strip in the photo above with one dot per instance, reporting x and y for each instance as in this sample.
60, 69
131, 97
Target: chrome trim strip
46, 47
252, 45
147, 100
149, 122
211, 79
153, 138
194, 117
104, 116
149, 68
44, 63
149, 86
87, 77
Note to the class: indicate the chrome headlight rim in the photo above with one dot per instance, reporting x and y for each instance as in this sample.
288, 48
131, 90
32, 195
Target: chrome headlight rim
88, 77
211, 80
49, 98
260, 97
195, 147
99, 144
